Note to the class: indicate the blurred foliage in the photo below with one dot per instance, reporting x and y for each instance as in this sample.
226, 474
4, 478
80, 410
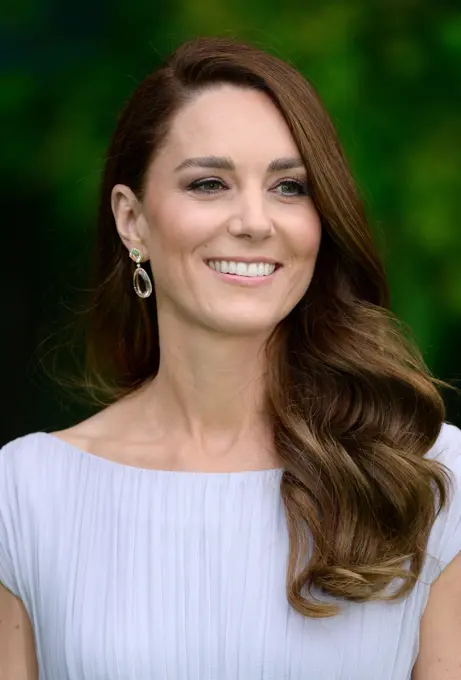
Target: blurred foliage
388, 71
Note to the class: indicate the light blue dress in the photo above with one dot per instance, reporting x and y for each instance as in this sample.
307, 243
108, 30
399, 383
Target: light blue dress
135, 574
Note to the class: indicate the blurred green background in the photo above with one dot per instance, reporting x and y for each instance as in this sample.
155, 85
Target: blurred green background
389, 73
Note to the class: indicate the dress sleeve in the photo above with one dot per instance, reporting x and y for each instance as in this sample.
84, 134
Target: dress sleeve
8, 519
445, 539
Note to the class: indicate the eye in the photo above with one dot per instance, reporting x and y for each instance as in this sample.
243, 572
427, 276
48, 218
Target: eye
292, 187
206, 186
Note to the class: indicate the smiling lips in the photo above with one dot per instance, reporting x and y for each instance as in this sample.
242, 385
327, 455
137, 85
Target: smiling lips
239, 268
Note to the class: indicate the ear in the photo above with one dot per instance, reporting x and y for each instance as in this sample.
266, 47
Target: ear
128, 217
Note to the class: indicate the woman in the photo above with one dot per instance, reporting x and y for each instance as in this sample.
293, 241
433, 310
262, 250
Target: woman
273, 492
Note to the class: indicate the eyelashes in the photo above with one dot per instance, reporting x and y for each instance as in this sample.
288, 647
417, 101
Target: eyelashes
207, 186
298, 188
213, 185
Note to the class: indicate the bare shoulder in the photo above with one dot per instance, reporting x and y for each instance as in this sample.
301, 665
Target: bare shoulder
439, 656
17, 648
106, 433
106, 424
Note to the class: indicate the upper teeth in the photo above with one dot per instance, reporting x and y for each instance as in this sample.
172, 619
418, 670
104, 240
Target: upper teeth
242, 268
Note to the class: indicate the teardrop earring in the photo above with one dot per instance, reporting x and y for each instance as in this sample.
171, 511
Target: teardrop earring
144, 290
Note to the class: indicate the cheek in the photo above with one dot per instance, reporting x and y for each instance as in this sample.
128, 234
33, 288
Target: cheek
173, 230
175, 233
306, 237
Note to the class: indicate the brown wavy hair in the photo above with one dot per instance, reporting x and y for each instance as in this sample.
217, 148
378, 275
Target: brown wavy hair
354, 408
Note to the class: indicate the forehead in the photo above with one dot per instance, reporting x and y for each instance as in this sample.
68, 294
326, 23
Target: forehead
240, 123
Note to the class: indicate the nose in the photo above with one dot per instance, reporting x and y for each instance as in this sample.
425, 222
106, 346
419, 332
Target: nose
251, 219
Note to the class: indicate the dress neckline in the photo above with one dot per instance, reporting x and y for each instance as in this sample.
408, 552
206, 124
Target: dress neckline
100, 460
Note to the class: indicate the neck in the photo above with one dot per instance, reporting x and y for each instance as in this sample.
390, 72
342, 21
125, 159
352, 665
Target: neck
210, 391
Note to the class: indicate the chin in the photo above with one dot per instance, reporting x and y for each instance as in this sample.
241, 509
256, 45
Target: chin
249, 327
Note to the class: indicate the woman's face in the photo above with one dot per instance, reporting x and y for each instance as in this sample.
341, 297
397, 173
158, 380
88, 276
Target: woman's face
228, 192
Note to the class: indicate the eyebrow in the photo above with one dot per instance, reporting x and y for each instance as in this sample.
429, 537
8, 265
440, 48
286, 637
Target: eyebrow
223, 163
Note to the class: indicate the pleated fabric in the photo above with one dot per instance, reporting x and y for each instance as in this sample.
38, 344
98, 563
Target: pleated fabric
135, 574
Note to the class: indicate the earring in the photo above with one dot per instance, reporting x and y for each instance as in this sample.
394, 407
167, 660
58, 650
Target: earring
143, 291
